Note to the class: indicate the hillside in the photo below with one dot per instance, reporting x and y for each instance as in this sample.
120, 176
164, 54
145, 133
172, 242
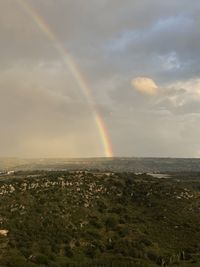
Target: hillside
100, 218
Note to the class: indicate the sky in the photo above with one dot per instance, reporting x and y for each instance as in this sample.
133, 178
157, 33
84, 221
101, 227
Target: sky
139, 59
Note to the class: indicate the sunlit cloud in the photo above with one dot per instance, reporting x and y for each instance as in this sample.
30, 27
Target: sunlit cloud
145, 85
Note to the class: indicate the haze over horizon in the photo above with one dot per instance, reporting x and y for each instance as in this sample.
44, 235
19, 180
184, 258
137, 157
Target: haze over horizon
139, 59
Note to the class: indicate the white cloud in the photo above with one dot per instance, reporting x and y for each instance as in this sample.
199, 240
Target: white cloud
145, 85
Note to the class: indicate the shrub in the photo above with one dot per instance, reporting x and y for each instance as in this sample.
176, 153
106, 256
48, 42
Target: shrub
41, 259
111, 222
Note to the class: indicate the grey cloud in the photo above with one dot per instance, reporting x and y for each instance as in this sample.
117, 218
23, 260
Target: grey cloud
112, 42
33, 110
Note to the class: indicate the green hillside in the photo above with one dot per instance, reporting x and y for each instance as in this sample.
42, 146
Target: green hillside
98, 219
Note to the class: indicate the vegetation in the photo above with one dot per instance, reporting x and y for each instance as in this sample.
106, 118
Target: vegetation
60, 219
162, 165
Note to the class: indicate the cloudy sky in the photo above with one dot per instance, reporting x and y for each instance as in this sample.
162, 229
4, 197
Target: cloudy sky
140, 59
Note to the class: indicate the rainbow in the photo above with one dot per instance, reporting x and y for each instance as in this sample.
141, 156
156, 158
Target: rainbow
75, 71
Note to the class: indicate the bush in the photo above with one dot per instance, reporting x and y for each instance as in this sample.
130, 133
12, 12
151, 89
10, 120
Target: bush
94, 222
91, 251
68, 252
14, 259
41, 259
94, 234
152, 255
123, 231
111, 222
